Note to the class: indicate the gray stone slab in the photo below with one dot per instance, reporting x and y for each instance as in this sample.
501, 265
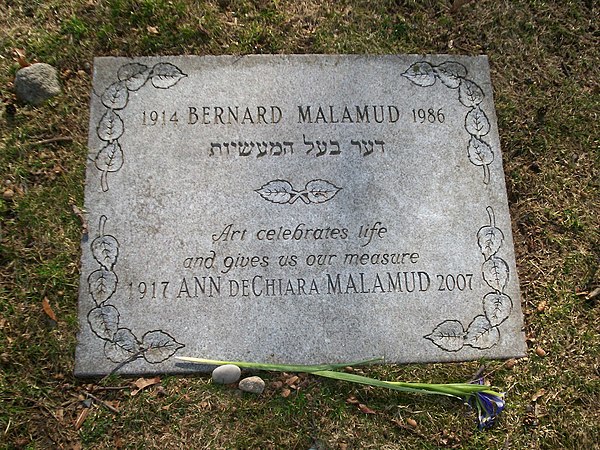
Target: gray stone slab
295, 209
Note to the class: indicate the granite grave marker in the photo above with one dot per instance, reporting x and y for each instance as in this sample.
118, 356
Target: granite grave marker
294, 209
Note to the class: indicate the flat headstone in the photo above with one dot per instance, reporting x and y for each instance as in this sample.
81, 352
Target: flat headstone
295, 209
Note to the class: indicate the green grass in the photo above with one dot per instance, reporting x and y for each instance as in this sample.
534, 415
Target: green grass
545, 70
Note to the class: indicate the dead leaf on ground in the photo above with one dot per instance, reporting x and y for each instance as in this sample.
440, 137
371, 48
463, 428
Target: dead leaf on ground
352, 400
48, 309
292, 380
365, 409
152, 30
143, 383
537, 395
79, 213
20, 57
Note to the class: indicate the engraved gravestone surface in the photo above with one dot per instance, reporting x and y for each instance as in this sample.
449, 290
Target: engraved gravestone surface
295, 209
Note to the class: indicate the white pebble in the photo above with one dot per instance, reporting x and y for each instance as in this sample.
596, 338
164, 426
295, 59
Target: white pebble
227, 374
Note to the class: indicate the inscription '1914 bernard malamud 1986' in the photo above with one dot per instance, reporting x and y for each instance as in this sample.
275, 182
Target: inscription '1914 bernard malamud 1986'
294, 209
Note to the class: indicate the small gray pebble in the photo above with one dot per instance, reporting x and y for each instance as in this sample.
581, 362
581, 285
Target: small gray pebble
36, 83
255, 385
226, 374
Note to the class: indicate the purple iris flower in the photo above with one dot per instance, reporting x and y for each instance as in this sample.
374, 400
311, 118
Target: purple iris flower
489, 406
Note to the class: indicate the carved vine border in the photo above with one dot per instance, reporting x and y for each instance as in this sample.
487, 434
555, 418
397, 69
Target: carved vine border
483, 331
115, 97
121, 345
454, 76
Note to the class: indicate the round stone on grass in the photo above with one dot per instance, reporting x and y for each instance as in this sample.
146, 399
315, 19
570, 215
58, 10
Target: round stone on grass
227, 374
254, 385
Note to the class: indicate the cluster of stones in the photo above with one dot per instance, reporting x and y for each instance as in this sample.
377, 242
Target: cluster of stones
230, 373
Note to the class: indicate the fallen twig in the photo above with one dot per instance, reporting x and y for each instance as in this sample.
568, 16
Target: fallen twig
593, 294
478, 374
79, 213
111, 388
102, 402
53, 140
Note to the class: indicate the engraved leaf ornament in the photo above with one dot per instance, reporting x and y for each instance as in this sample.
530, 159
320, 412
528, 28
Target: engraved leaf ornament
495, 273
122, 347
490, 238
133, 75
469, 93
104, 321
477, 123
109, 159
103, 284
105, 248
420, 73
319, 191
481, 333
110, 127
451, 73
277, 191
481, 154
448, 335
115, 96
497, 307
159, 346
106, 251
165, 75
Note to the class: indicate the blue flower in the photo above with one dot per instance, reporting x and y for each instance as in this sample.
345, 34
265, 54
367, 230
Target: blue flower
489, 405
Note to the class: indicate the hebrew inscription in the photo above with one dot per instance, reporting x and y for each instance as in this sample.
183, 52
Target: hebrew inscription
299, 209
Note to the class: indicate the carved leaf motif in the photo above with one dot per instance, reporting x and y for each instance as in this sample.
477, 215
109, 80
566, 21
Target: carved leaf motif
480, 153
319, 191
105, 250
103, 284
109, 159
481, 333
497, 307
115, 96
123, 346
133, 75
490, 240
104, 321
495, 273
420, 73
277, 191
477, 123
110, 127
159, 346
166, 75
448, 335
451, 73
469, 93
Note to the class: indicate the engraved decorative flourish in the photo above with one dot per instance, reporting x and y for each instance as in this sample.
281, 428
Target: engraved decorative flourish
121, 345
281, 191
454, 76
483, 331
115, 97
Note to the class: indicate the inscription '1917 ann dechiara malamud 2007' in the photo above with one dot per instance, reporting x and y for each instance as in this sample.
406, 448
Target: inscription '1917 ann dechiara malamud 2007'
294, 209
